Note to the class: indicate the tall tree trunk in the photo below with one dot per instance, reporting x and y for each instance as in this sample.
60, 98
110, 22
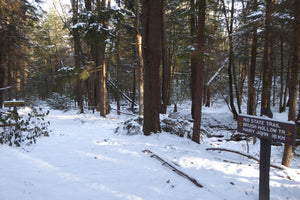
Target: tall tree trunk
206, 92
91, 81
265, 144
193, 56
3, 44
230, 69
293, 86
117, 74
79, 94
102, 79
141, 62
133, 86
151, 57
267, 79
287, 83
273, 71
231, 55
76, 39
2, 78
231, 81
103, 100
172, 74
118, 60
165, 60
251, 103
198, 84
242, 78
281, 72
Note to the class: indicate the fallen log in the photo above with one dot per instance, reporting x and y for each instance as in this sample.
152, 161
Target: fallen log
111, 83
242, 154
5, 88
174, 169
123, 112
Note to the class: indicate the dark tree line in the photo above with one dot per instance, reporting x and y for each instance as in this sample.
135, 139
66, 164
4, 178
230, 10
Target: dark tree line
154, 53
16, 20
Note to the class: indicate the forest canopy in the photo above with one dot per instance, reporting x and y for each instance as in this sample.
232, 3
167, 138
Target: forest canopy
151, 54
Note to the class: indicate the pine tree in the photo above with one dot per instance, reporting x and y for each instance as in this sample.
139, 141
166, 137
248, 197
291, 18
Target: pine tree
198, 79
293, 86
151, 57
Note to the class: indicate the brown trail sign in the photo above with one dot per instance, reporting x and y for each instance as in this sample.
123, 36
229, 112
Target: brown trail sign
267, 130
14, 103
276, 131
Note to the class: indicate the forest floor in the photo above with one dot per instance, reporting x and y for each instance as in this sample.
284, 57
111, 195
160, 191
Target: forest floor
84, 159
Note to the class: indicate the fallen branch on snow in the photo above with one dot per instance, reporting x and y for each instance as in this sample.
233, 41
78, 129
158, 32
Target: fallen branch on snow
174, 169
242, 154
5, 88
123, 112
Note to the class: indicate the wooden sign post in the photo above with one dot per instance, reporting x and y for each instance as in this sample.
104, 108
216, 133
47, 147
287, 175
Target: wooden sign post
14, 103
268, 131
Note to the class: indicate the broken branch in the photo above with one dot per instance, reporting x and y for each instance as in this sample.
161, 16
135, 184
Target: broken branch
174, 169
242, 154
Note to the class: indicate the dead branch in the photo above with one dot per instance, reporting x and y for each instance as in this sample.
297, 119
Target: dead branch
242, 154
110, 82
217, 72
123, 112
5, 88
174, 169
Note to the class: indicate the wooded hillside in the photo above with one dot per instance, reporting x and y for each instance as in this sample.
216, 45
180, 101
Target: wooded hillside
152, 53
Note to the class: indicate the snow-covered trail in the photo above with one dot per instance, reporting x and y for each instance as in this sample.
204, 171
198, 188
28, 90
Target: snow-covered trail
83, 159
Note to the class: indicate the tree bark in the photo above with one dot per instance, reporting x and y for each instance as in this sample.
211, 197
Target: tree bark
117, 73
141, 62
165, 60
287, 83
198, 84
265, 144
2, 78
193, 56
251, 103
3, 49
102, 80
281, 73
101, 46
151, 57
133, 87
293, 86
242, 78
230, 69
76, 39
267, 79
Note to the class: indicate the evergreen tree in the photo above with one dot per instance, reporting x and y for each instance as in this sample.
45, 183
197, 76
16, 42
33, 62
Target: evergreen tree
16, 20
198, 80
151, 56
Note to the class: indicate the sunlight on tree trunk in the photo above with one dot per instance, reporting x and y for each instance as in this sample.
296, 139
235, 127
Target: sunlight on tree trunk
293, 86
198, 84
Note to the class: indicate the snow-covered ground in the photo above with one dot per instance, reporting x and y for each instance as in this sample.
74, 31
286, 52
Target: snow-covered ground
83, 159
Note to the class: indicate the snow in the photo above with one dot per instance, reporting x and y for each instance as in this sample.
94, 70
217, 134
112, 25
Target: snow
84, 159
255, 14
78, 25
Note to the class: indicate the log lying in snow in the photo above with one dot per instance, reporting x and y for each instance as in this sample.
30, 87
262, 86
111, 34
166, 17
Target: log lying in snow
242, 154
110, 82
123, 112
174, 169
5, 88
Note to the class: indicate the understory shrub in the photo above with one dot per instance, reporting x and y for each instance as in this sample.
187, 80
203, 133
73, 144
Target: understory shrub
23, 129
59, 102
173, 124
